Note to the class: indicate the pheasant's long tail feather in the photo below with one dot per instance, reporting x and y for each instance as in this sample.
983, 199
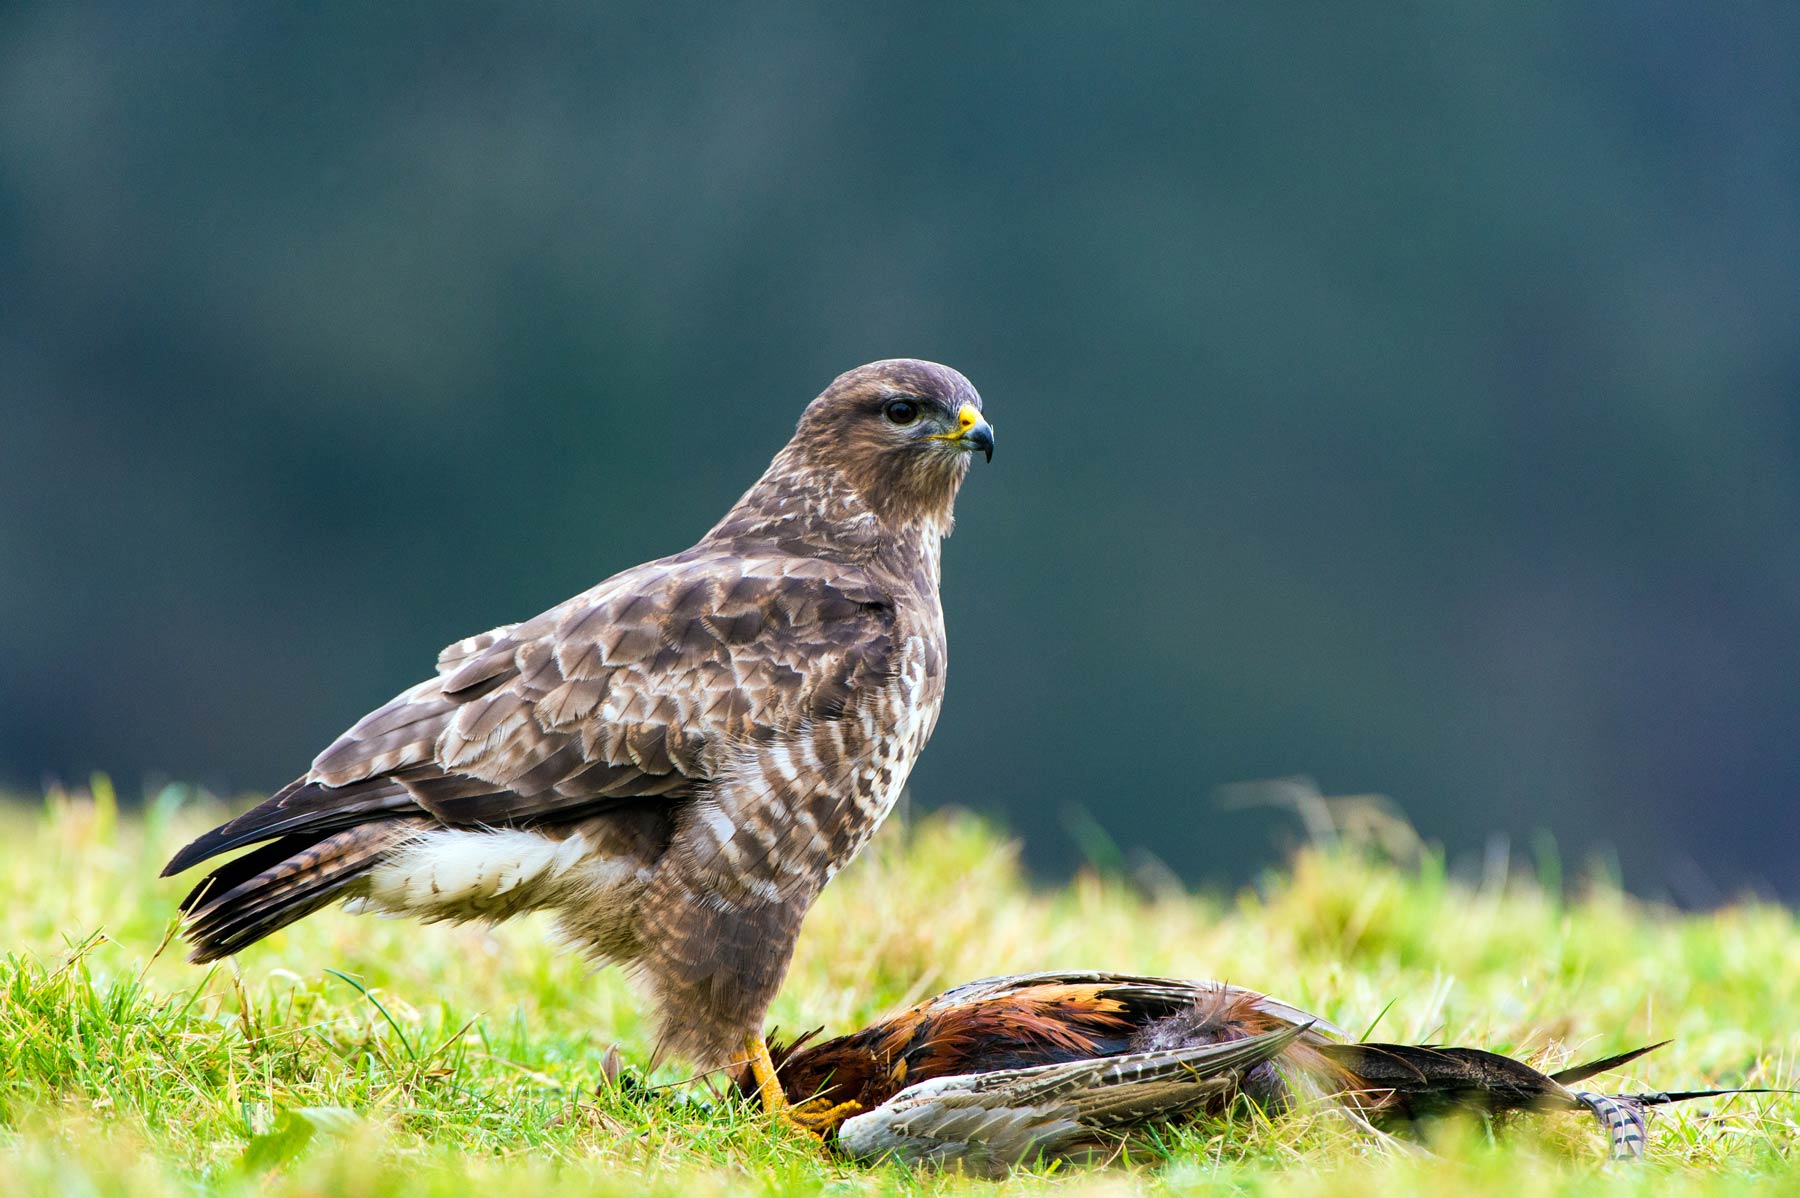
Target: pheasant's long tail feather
1664, 1097
1580, 1073
1413, 1081
1626, 1116
1624, 1120
1400, 1081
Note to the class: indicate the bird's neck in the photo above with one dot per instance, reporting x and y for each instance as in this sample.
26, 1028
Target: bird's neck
813, 512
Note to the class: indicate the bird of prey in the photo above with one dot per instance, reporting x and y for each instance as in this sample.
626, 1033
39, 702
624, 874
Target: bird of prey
1008, 1070
675, 761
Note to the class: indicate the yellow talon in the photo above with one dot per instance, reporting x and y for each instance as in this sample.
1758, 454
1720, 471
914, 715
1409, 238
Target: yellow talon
820, 1117
815, 1118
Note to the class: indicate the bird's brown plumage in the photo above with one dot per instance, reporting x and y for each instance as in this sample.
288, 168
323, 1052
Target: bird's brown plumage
676, 760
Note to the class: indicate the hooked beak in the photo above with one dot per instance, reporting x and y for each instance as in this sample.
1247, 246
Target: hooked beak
971, 433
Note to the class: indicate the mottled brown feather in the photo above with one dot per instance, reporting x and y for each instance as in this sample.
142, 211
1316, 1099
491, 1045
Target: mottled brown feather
769, 688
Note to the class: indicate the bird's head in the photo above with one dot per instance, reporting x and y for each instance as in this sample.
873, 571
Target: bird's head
900, 432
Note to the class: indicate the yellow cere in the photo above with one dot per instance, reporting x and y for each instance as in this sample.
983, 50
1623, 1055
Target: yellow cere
965, 420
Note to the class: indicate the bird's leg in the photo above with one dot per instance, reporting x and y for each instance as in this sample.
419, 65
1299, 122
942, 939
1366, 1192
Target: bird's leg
815, 1118
762, 1068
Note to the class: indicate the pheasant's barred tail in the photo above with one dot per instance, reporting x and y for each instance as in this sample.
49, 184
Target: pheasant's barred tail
1624, 1119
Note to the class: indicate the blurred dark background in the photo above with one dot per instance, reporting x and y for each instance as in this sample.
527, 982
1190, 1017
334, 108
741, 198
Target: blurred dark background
1408, 400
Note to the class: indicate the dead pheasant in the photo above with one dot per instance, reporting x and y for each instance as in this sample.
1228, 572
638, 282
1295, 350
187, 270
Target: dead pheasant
1006, 1070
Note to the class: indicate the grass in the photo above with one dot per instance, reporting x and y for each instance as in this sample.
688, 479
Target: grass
359, 1056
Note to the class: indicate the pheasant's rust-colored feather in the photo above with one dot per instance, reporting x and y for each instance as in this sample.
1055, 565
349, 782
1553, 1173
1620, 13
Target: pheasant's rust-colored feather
1021, 1022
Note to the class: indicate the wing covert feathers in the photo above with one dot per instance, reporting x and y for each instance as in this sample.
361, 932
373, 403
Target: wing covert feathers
989, 1121
622, 695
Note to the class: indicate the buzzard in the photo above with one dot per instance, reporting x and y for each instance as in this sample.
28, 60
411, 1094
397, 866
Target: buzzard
1006, 1070
675, 761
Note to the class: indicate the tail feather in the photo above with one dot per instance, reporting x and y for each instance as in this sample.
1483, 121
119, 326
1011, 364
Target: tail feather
232, 874
1419, 1081
301, 808
248, 898
1580, 1073
1665, 1097
1624, 1120
1408, 1082
1626, 1117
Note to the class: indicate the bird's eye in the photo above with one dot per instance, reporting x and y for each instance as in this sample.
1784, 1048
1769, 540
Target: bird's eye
901, 411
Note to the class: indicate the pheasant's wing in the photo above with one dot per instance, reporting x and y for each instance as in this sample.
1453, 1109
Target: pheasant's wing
985, 1122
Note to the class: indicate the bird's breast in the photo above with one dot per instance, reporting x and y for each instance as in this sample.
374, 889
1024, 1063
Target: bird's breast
895, 724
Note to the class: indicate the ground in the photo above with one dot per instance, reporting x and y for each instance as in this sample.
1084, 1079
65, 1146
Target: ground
360, 1056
